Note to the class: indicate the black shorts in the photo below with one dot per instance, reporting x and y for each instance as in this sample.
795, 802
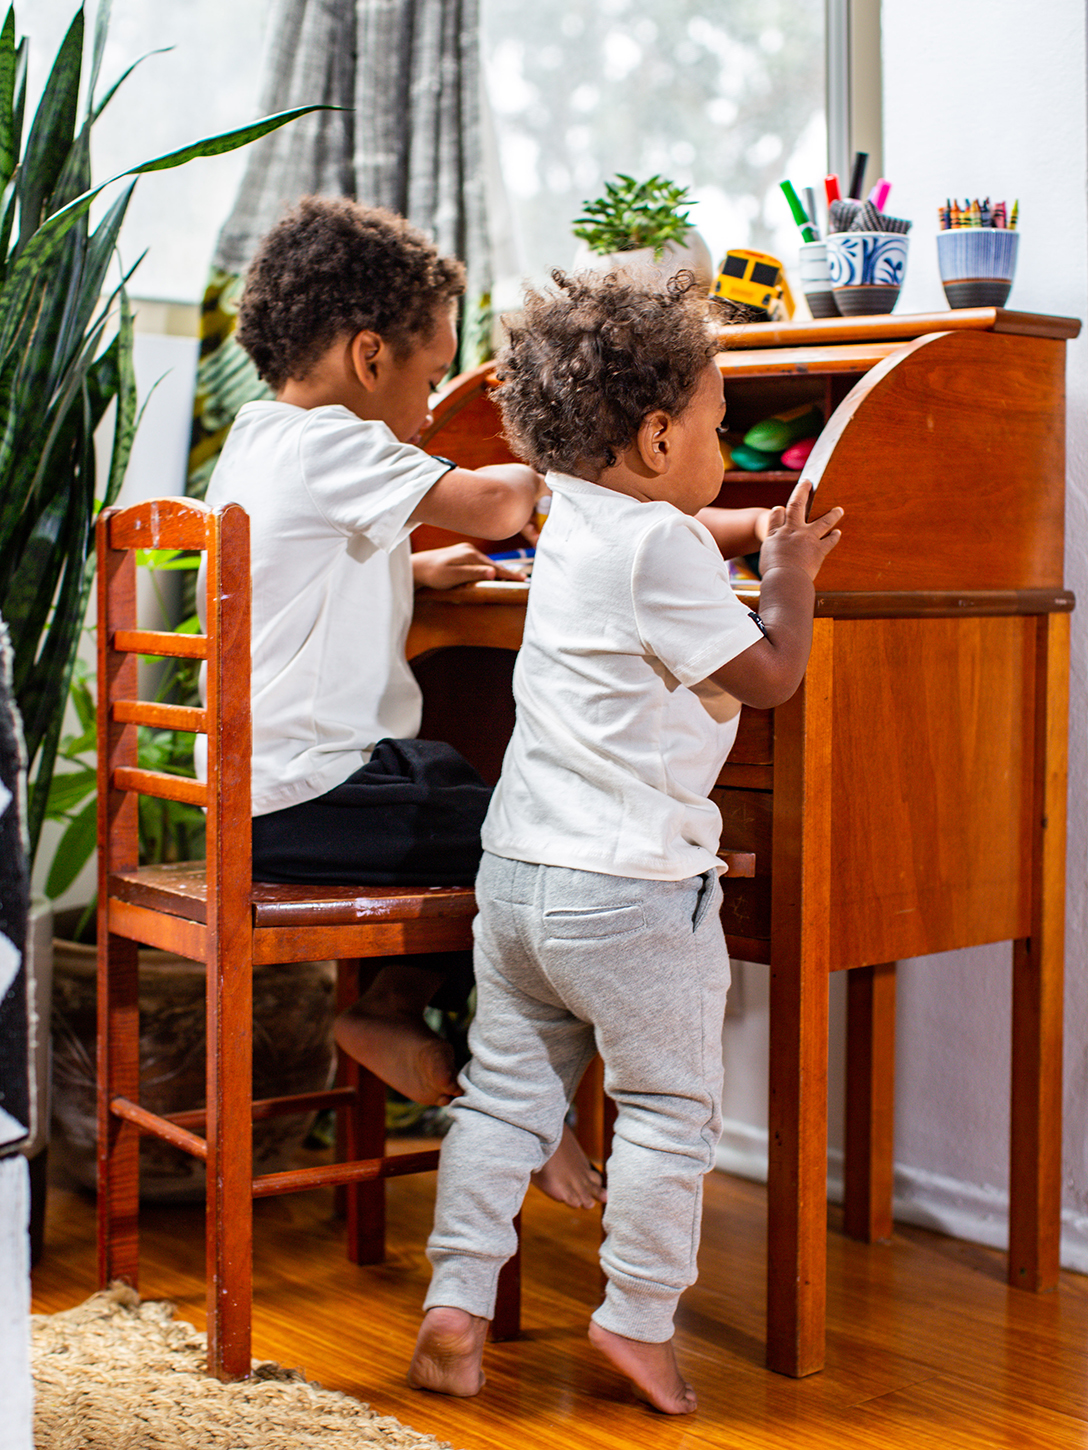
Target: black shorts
410, 817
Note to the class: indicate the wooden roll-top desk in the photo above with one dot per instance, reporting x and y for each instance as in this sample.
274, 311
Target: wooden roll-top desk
910, 798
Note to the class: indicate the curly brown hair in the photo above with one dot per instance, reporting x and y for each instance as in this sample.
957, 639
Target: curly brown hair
591, 359
332, 268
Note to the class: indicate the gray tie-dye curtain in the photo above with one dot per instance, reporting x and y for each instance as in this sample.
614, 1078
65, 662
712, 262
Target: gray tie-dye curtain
407, 75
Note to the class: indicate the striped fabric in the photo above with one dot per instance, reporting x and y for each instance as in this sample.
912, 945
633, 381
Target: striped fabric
409, 137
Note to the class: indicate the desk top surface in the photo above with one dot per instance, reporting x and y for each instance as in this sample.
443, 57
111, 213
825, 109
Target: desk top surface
891, 327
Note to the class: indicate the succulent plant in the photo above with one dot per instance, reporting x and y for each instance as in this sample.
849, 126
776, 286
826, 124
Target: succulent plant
634, 214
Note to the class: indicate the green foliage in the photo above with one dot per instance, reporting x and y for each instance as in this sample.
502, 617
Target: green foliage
65, 356
634, 214
168, 830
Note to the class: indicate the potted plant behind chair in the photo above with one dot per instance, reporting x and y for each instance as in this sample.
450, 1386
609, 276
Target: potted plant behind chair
641, 228
66, 343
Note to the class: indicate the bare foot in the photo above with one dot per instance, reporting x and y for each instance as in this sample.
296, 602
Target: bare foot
449, 1353
402, 1050
651, 1368
569, 1177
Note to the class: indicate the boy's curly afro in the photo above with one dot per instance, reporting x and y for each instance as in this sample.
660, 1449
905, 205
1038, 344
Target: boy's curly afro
590, 360
332, 268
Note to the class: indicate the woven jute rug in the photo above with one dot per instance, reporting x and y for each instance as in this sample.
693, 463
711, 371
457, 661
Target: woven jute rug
118, 1374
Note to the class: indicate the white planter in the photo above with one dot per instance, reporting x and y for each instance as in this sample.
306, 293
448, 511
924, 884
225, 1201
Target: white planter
640, 265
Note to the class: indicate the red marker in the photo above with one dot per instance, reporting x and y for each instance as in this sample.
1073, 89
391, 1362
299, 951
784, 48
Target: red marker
831, 187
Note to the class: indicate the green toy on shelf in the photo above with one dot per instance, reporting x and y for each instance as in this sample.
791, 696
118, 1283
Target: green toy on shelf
777, 432
753, 460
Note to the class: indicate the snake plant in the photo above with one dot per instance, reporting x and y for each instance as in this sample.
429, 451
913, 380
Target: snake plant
65, 355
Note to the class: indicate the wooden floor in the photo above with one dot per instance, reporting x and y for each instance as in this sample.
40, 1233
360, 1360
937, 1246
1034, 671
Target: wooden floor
926, 1345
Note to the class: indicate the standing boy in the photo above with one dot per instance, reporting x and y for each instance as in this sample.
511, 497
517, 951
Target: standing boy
599, 900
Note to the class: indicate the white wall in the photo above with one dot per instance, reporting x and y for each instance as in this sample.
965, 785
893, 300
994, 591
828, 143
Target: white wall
985, 99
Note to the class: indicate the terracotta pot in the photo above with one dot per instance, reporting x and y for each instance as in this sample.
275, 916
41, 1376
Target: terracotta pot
293, 1052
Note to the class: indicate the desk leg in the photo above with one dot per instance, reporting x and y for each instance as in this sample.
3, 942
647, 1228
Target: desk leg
1038, 967
870, 1102
800, 934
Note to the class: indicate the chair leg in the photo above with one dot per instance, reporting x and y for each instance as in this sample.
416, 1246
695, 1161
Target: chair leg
591, 1106
507, 1321
365, 1138
360, 1133
118, 1141
229, 1202
868, 1166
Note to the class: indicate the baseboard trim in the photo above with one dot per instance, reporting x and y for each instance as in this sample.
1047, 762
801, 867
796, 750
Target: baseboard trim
975, 1212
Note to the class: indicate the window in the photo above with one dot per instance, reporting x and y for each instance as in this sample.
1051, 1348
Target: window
727, 99
207, 82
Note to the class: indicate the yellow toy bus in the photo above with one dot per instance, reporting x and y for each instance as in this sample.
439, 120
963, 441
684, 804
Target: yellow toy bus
756, 279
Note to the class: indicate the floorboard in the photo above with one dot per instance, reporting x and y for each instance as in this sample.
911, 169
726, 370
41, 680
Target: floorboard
927, 1347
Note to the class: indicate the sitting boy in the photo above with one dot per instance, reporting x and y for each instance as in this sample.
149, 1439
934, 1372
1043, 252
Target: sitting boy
598, 926
348, 313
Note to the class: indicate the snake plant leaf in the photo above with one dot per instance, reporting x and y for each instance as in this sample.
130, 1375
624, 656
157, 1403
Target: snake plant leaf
51, 676
123, 77
12, 85
75, 175
124, 388
8, 201
51, 132
98, 49
84, 298
27, 454
226, 140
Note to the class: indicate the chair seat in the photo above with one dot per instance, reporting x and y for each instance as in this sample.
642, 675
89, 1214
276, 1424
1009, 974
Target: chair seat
180, 889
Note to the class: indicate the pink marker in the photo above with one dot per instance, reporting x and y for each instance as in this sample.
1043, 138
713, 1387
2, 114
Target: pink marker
879, 194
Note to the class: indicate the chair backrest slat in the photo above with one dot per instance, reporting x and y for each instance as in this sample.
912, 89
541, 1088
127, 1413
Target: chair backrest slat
159, 784
153, 642
161, 717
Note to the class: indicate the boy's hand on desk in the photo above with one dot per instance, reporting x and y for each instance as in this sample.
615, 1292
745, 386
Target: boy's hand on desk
794, 541
457, 564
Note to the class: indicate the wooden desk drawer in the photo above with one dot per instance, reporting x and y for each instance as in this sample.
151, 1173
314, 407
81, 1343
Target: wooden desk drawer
755, 738
747, 817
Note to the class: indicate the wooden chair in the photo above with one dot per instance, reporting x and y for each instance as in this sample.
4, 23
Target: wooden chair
213, 912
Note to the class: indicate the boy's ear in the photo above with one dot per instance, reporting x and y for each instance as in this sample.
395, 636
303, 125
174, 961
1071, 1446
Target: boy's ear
366, 356
654, 441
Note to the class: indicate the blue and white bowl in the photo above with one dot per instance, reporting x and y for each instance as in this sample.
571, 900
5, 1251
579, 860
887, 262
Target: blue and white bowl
977, 265
867, 270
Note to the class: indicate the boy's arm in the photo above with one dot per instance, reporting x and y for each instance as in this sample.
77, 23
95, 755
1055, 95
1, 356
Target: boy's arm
490, 503
769, 672
736, 531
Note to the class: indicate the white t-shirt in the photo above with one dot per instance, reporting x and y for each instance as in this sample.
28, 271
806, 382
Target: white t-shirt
329, 497
619, 735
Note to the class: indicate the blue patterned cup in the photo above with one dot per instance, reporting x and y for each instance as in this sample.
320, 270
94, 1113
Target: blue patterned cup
866, 270
977, 265
816, 279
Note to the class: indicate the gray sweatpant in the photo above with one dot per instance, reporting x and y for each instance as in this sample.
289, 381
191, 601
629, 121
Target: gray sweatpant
569, 963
